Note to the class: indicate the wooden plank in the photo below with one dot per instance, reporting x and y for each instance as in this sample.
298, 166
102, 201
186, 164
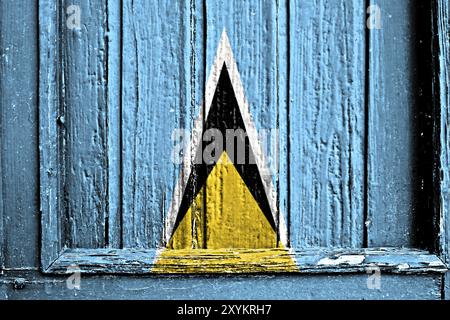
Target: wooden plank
399, 168
283, 104
162, 88
326, 123
252, 29
442, 20
86, 126
446, 286
113, 49
283, 287
146, 261
18, 133
49, 144
2, 233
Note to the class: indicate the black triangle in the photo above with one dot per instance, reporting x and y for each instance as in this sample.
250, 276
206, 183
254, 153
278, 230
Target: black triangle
225, 114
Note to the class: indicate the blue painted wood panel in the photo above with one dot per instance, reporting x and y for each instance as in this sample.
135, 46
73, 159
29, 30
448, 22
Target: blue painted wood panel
322, 287
19, 134
326, 123
145, 94
442, 12
113, 223
300, 36
162, 79
85, 126
49, 143
253, 28
396, 178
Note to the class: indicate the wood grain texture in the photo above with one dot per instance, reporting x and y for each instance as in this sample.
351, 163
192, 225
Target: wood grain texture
446, 287
113, 47
49, 142
18, 134
326, 123
2, 232
314, 260
398, 212
298, 287
442, 16
162, 90
85, 126
252, 28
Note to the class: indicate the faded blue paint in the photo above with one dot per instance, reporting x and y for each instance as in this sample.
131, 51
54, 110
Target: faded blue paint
19, 134
326, 123
258, 38
353, 287
162, 84
393, 110
443, 24
322, 48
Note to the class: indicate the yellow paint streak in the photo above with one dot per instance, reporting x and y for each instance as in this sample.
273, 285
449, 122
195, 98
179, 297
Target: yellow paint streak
234, 218
239, 238
276, 260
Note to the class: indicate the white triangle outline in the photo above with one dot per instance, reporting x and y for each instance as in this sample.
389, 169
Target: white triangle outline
224, 54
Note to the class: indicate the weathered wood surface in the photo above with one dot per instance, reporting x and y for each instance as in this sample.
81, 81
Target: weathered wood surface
252, 29
326, 123
113, 47
135, 261
49, 144
298, 287
399, 175
85, 127
443, 82
163, 79
322, 187
326, 203
19, 164
446, 286
18, 134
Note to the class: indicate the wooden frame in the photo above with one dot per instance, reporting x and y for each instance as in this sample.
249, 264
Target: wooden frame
442, 104
311, 261
1, 213
56, 258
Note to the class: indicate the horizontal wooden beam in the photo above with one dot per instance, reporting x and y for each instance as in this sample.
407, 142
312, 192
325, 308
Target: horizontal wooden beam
20, 284
310, 261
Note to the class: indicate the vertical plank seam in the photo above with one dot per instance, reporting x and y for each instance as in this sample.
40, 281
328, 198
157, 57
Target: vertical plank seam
121, 184
49, 100
107, 126
277, 121
62, 212
441, 17
192, 70
2, 233
367, 92
39, 173
436, 115
204, 50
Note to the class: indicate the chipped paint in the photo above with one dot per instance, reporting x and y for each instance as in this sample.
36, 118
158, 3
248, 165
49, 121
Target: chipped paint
349, 259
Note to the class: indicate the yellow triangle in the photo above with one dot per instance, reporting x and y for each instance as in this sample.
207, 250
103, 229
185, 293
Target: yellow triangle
234, 218
234, 221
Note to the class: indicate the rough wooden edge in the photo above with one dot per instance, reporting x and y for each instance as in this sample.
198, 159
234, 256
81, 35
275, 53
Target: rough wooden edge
310, 261
2, 234
445, 292
49, 102
442, 94
31, 285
